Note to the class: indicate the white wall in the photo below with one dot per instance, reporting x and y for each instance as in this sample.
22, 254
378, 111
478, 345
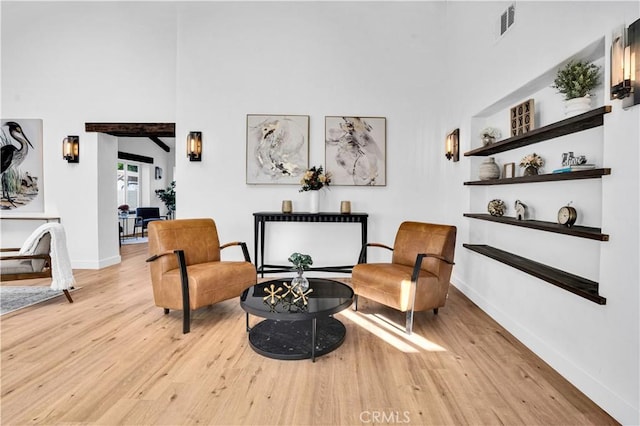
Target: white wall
316, 59
72, 63
595, 347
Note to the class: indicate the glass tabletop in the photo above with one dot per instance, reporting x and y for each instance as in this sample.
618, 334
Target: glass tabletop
274, 299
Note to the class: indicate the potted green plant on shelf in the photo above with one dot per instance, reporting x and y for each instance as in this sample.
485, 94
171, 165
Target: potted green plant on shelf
575, 81
300, 263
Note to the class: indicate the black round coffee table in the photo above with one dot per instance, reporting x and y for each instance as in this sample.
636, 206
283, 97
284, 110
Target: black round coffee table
294, 329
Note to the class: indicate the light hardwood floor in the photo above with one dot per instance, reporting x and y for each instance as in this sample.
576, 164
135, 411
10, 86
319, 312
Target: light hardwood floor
112, 357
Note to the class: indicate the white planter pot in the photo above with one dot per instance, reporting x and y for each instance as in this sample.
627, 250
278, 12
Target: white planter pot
577, 106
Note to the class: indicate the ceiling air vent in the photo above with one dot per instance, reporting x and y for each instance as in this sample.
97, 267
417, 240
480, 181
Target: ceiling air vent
507, 18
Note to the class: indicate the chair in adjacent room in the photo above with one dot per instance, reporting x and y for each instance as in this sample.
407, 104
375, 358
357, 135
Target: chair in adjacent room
417, 278
187, 272
43, 255
144, 216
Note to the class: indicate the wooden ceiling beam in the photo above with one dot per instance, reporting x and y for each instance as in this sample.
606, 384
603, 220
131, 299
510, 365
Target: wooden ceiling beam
161, 144
134, 157
133, 129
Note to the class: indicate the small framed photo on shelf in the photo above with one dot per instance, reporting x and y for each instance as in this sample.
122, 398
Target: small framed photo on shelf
509, 170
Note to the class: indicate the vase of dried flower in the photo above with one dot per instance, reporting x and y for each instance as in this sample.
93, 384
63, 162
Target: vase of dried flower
530, 171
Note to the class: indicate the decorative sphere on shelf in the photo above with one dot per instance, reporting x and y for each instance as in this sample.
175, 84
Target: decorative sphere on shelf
496, 207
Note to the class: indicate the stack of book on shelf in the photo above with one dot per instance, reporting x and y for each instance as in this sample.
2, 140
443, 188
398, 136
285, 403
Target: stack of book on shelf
575, 168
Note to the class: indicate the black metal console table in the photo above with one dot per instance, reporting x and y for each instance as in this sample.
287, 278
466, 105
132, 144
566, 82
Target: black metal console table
260, 220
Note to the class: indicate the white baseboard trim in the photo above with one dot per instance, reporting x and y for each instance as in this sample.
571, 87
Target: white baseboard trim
597, 391
102, 263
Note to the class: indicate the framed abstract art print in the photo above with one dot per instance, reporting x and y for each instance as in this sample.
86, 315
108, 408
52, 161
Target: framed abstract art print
277, 148
355, 150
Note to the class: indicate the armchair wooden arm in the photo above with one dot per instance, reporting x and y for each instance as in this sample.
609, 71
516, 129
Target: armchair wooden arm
242, 244
363, 251
45, 272
418, 265
28, 257
158, 256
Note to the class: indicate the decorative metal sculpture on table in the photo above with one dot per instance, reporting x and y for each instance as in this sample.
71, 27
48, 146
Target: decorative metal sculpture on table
294, 296
294, 299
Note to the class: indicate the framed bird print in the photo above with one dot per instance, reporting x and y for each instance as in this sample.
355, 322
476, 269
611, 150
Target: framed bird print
21, 177
277, 148
355, 150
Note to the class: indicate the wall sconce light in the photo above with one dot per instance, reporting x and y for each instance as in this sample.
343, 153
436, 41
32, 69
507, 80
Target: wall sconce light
620, 65
71, 149
625, 49
194, 146
452, 145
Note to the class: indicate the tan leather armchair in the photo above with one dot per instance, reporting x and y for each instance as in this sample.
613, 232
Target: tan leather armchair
417, 279
186, 270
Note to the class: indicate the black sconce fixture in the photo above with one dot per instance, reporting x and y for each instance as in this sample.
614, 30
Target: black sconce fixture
71, 149
194, 146
452, 145
625, 49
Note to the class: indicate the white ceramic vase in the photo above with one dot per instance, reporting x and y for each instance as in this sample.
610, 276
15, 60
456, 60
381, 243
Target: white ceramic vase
489, 169
314, 201
576, 106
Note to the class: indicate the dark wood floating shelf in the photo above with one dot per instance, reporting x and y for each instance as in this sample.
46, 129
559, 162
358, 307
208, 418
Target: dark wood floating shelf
548, 177
573, 283
576, 231
588, 120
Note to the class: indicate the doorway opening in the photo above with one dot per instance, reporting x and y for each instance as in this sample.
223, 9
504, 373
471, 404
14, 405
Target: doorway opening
128, 185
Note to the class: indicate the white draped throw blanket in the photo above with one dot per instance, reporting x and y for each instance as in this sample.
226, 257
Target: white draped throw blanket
61, 272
